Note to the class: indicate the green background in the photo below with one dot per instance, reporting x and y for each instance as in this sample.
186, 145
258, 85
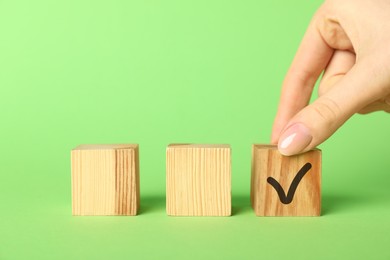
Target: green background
155, 72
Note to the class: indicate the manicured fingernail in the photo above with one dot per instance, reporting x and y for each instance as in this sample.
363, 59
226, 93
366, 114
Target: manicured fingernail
295, 139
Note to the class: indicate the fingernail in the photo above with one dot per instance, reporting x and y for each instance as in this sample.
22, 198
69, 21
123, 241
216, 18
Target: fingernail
294, 140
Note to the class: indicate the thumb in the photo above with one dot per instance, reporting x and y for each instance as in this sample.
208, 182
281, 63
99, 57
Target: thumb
318, 121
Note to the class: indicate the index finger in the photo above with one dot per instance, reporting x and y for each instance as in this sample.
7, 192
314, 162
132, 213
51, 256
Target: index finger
310, 60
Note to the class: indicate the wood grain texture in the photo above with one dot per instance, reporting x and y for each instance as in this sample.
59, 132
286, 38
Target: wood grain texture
105, 180
198, 180
268, 162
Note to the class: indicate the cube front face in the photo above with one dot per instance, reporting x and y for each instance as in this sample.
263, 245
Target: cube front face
105, 180
198, 180
298, 178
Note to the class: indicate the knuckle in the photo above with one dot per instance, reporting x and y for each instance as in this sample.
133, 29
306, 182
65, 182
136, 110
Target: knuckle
301, 76
327, 110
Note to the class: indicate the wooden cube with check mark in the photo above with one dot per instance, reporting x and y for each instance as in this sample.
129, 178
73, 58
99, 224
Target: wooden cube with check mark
285, 185
198, 180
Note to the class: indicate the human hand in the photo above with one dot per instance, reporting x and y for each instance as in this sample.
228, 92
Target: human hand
350, 41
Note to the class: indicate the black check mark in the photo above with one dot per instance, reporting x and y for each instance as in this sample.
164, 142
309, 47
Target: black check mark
294, 184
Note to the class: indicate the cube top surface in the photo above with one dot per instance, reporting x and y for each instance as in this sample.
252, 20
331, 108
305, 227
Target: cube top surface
274, 147
105, 146
198, 146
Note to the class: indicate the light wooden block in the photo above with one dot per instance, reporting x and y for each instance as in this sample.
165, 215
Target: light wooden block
198, 180
105, 179
268, 166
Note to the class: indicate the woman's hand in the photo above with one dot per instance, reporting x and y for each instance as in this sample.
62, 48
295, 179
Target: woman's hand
350, 41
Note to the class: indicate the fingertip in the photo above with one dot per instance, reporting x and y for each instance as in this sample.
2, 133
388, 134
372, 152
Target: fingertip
294, 140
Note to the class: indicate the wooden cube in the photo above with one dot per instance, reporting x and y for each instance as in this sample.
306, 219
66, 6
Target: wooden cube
105, 179
198, 180
285, 185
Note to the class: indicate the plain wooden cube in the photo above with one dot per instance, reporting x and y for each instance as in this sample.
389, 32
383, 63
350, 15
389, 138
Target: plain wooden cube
268, 164
105, 179
198, 180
